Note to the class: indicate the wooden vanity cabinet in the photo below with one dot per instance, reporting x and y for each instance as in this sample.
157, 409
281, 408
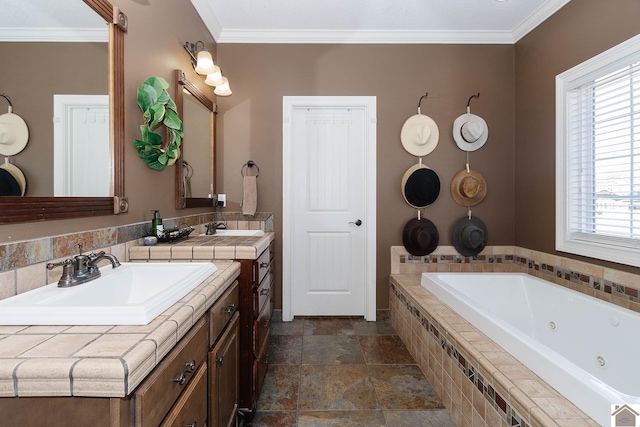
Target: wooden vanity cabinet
158, 393
256, 305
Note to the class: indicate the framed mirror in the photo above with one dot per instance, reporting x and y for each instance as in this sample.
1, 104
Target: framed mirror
195, 170
95, 36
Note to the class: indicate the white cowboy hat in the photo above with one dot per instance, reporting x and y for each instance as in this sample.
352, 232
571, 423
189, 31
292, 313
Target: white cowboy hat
419, 135
470, 132
14, 134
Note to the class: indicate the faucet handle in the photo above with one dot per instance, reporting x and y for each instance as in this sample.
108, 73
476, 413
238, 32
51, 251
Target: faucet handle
52, 265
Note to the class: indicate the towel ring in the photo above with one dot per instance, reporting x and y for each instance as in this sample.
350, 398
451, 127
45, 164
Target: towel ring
248, 165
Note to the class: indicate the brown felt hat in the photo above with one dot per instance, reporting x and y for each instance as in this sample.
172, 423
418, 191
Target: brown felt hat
468, 188
420, 237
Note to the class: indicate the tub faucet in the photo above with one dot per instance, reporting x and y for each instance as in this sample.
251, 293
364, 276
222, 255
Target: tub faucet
81, 268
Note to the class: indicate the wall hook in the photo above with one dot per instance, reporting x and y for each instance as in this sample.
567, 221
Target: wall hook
469, 102
9, 101
420, 102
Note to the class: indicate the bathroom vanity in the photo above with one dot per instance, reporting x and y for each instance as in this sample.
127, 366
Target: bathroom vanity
180, 369
255, 254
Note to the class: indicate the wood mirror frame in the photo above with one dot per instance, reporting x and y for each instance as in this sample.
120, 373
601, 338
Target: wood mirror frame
181, 83
23, 209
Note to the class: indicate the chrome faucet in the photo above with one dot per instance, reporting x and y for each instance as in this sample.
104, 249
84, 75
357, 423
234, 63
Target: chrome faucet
213, 226
81, 268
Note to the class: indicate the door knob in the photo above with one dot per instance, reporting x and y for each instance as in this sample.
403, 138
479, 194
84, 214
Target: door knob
358, 222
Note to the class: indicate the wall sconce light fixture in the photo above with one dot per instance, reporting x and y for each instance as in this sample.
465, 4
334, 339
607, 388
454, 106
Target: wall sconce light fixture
203, 64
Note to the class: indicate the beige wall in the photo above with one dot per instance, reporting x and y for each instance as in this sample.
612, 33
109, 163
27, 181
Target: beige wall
153, 47
30, 74
250, 124
579, 31
519, 154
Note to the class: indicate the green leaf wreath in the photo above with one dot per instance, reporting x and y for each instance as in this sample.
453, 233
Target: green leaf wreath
158, 108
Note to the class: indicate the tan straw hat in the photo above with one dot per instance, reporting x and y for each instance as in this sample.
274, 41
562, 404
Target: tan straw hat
419, 135
468, 188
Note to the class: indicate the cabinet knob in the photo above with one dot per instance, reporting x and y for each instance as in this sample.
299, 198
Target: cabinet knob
181, 379
191, 366
264, 264
230, 309
193, 424
219, 360
265, 291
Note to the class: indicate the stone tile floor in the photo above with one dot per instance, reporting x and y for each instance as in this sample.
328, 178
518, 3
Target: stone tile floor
336, 371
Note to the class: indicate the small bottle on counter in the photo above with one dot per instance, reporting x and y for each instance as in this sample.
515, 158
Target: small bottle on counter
156, 224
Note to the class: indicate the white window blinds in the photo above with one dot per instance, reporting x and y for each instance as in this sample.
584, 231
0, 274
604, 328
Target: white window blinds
598, 156
604, 155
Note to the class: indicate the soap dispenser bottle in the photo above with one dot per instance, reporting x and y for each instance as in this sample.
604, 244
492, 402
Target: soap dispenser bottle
156, 224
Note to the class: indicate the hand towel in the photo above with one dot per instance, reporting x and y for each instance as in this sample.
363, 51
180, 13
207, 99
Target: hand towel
250, 195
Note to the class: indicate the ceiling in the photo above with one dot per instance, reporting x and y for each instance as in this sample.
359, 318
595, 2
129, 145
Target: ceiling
373, 21
59, 21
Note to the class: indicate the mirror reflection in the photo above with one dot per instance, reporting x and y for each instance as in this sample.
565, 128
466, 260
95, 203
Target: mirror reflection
55, 64
195, 182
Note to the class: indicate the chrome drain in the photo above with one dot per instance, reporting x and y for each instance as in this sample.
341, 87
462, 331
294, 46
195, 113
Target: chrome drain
552, 326
601, 361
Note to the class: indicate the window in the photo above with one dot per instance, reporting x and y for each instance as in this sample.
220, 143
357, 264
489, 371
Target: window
598, 156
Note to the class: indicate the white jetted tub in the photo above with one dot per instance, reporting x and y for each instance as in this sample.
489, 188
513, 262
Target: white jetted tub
587, 349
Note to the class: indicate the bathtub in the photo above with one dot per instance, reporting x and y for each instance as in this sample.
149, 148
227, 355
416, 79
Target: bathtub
587, 349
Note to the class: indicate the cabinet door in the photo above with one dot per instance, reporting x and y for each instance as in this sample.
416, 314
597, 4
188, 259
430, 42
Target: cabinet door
223, 378
191, 408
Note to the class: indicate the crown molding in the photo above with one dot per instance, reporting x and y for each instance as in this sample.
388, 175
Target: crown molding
203, 7
221, 35
537, 17
365, 37
65, 35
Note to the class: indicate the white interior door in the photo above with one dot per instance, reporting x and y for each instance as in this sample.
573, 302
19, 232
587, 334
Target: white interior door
82, 152
329, 215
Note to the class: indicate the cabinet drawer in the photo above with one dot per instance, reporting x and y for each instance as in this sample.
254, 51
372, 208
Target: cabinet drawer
222, 311
157, 394
191, 408
263, 294
260, 366
263, 263
261, 328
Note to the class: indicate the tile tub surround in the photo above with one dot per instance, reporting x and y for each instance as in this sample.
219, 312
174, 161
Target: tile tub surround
204, 247
23, 263
479, 383
614, 286
100, 361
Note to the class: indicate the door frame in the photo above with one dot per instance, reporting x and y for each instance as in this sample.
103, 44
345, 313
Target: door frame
289, 103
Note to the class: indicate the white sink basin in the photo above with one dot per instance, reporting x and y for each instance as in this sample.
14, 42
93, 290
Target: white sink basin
250, 233
132, 294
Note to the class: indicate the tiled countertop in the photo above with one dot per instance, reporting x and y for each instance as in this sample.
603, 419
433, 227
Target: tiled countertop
100, 361
204, 247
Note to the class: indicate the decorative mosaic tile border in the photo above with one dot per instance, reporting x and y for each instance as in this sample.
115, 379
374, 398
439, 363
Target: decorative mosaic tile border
469, 371
628, 292
24, 253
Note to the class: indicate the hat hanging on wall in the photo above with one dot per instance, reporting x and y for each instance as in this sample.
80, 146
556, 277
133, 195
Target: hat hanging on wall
17, 174
470, 131
14, 133
420, 186
420, 236
9, 186
469, 236
468, 188
420, 134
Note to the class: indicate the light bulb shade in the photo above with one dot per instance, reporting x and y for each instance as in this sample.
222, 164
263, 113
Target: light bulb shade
215, 78
223, 89
205, 63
